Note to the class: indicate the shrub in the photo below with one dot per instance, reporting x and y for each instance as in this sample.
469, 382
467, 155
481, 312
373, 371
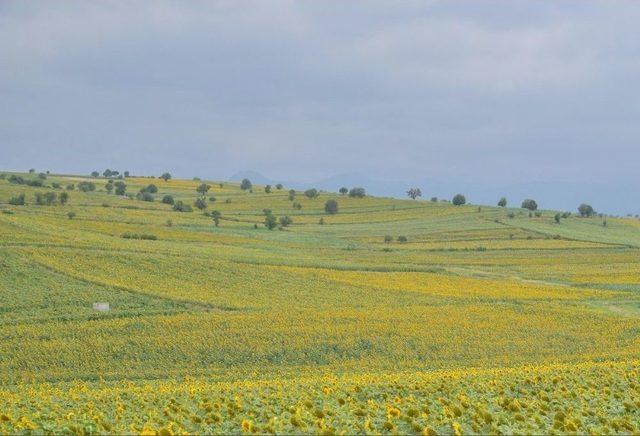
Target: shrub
126, 173
46, 199
270, 221
121, 188
71, 187
402, 239
18, 200
557, 218
297, 205
151, 189
144, 196
71, 215
511, 215
16, 180
87, 186
538, 214
279, 186
32, 170
3, 176
145, 236
434, 199
169, 223
311, 193
42, 176
529, 204
179, 206
168, 199
586, 210
201, 203
458, 200
321, 221
64, 198
502, 202
357, 192
388, 239
245, 185
285, 221
212, 199
267, 189
331, 207
343, 190
228, 200
566, 214
109, 186
266, 211
56, 185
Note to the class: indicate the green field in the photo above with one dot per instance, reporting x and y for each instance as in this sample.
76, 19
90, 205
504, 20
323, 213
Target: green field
486, 320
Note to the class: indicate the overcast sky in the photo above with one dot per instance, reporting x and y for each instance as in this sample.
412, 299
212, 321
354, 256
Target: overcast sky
485, 92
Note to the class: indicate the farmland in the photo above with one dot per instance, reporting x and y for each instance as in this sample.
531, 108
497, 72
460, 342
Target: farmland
485, 320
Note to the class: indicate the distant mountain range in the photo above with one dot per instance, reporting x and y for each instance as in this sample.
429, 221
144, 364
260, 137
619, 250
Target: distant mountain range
610, 198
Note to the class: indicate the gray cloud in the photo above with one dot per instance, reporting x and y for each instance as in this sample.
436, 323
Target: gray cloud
491, 93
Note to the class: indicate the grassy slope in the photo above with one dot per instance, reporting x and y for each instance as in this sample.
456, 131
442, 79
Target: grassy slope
470, 288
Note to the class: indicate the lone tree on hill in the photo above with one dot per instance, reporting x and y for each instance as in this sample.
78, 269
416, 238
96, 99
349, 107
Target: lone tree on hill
166, 176
586, 210
502, 202
245, 185
331, 207
414, 193
203, 189
357, 192
344, 190
529, 204
458, 200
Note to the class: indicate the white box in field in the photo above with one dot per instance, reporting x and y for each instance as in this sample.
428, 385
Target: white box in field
101, 306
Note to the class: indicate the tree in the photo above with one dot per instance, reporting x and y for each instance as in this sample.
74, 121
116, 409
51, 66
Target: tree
414, 193
343, 190
502, 202
529, 204
270, 221
32, 170
95, 174
267, 189
71, 187
586, 210
17, 200
71, 215
279, 186
311, 193
64, 198
245, 185
203, 189
200, 203
388, 239
434, 199
357, 192
292, 194
109, 186
168, 199
331, 206
285, 221
121, 188
557, 218
216, 217
402, 239
107, 173
126, 173
458, 200
165, 176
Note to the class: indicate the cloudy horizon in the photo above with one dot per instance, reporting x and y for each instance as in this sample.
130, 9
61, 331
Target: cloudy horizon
482, 98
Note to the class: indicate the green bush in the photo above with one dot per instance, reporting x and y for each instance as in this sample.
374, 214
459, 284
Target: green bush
18, 200
458, 200
145, 236
179, 206
357, 192
331, 207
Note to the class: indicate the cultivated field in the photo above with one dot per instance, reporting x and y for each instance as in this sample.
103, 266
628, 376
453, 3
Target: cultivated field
486, 320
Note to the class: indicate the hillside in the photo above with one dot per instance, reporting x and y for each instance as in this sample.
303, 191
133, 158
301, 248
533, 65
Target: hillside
356, 333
